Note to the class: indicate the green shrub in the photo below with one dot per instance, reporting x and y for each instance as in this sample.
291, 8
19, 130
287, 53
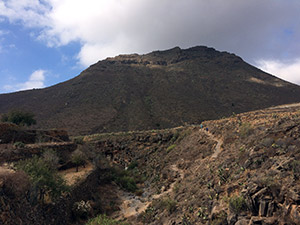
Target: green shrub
171, 147
126, 182
169, 204
296, 169
19, 144
175, 136
43, 178
127, 179
132, 165
219, 219
78, 158
78, 140
104, 220
148, 215
245, 129
223, 175
237, 204
51, 158
19, 118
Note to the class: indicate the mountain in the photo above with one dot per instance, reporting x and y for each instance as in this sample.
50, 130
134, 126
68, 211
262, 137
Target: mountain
157, 90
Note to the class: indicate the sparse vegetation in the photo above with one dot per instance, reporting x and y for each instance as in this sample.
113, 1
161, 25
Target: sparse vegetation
78, 158
43, 178
82, 209
245, 129
132, 165
104, 220
78, 140
169, 204
171, 147
296, 168
19, 117
237, 204
148, 215
192, 187
219, 219
51, 158
19, 144
16, 184
124, 179
223, 175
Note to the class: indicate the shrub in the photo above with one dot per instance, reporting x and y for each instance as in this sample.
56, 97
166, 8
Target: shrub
169, 204
19, 118
44, 179
51, 158
237, 204
19, 144
15, 184
132, 165
171, 147
78, 158
223, 175
82, 209
104, 220
245, 129
125, 179
78, 140
296, 169
148, 215
127, 183
219, 219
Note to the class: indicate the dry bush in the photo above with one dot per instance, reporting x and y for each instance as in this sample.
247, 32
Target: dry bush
15, 184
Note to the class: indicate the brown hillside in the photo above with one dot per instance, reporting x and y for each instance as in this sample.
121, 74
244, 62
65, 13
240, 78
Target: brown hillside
158, 90
244, 170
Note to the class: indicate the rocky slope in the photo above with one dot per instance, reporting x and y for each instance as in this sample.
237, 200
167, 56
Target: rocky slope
158, 90
244, 170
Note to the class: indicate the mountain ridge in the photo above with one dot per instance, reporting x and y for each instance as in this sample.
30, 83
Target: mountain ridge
160, 89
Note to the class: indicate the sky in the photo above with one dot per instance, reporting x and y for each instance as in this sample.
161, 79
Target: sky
44, 42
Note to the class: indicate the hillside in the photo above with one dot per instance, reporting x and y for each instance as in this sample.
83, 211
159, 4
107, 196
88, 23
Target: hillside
158, 90
244, 169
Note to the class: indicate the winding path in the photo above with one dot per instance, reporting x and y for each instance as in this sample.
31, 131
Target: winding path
218, 148
134, 205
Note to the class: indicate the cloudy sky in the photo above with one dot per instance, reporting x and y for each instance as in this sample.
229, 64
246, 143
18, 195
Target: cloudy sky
43, 42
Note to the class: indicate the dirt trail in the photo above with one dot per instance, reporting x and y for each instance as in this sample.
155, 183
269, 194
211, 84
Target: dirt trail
219, 141
71, 176
134, 205
4, 169
286, 106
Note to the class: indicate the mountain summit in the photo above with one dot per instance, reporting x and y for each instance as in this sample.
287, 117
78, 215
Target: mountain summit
161, 89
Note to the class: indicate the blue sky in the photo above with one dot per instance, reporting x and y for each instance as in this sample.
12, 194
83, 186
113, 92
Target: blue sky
44, 42
23, 57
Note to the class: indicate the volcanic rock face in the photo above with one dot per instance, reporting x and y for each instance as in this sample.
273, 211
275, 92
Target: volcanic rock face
158, 90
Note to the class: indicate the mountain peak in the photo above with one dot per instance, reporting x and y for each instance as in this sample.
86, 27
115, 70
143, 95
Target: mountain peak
172, 56
160, 89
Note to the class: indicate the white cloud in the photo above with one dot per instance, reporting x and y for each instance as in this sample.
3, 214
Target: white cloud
289, 71
3, 32
32, 13
252, 29
35, 80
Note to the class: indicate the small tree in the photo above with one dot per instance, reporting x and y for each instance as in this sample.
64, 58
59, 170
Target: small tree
51, 158
44, 178
78, 158
19, 118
